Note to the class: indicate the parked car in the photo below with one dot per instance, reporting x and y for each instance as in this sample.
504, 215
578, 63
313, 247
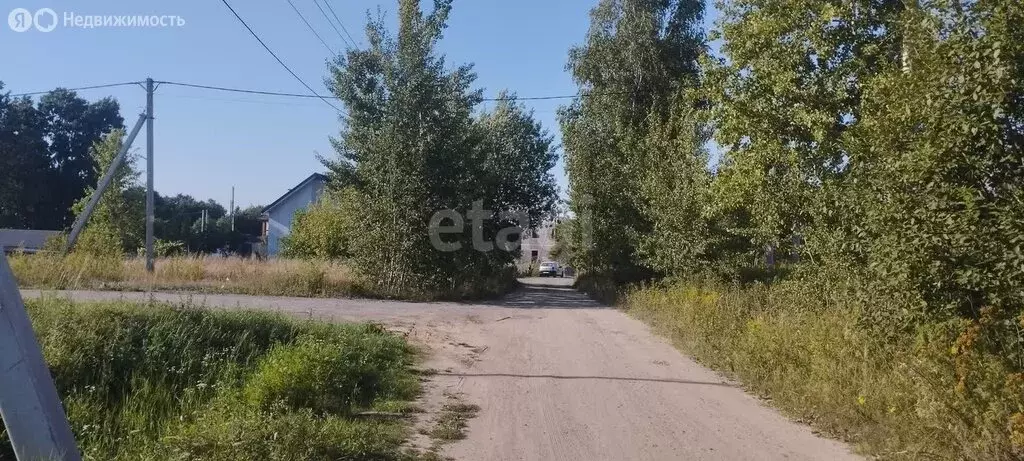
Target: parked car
551, 269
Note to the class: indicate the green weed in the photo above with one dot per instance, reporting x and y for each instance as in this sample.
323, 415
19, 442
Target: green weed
174, 382
915, 398
452, 422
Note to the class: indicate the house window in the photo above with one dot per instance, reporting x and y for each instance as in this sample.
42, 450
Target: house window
534, 255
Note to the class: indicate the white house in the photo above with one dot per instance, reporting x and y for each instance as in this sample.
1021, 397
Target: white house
278, 216
537, 245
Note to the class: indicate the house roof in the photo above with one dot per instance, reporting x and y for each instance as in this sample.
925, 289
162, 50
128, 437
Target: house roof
312, 178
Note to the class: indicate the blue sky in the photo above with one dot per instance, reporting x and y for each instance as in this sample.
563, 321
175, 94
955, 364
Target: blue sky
208, 141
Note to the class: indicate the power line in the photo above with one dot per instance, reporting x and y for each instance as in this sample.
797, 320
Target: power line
94, 87
279, 61
329, 7
310, 103
332, 24
311, 29
240, 90
300, 95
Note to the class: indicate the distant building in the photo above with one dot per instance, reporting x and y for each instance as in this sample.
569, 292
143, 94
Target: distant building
537, 245
278, 216
28, 241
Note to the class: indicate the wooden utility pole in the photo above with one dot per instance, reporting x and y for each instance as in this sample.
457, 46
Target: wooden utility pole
29, 404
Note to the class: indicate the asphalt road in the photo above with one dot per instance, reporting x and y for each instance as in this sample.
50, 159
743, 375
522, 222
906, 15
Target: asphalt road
559, 377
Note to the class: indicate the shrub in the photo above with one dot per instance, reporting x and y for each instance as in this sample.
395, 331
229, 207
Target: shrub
160, 382
322, 231
328, 375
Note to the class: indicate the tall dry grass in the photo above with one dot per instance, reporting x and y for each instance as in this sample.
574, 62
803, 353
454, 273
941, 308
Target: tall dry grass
279, 277
212, 274
925, 396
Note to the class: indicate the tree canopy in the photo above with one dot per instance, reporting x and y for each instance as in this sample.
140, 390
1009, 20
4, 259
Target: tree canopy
45, 154
633, 72
412, 146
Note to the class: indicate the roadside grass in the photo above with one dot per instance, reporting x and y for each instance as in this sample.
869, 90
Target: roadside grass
276, 277
452, 421
913, 398
157, 382
280, 277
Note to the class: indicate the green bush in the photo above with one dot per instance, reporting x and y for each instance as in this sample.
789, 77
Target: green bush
336, 374
132, 378
164, 249
323, 230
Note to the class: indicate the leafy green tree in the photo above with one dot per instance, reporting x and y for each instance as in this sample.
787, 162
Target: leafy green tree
45, 163
935, 208
887, 133
562, 250
72, 127
404, 144
117, 224
179, 219
675, 192
789, 86
410, 147
24, 163
517, 158
248, 220
639, 54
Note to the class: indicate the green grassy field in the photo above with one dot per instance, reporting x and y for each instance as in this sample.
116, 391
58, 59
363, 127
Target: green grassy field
158, 382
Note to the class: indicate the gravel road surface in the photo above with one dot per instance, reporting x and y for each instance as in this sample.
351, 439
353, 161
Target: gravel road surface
559, 377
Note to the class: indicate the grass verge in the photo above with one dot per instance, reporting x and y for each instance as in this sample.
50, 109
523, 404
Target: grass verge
930, 395
160, 382
185, 273
277, 277
452, 421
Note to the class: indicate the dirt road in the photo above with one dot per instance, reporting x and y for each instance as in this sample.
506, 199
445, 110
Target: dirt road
559, 377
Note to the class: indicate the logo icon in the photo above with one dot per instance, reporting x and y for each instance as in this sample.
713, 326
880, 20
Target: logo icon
20, 19
42, 13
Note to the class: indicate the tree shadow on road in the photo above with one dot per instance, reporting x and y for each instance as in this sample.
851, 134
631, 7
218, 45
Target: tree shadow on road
546, 296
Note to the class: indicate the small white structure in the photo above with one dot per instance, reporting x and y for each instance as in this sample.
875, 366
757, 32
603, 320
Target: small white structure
278, 216
537, 245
